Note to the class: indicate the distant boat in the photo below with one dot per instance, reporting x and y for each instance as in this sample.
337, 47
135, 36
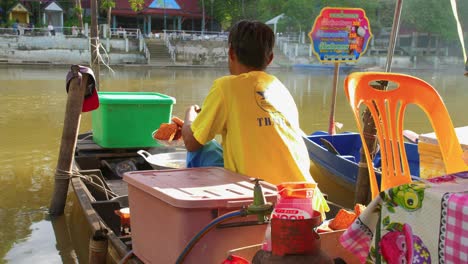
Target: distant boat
323, 67
339, 156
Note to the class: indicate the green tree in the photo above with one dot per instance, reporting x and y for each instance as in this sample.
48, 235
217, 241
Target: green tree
79, 13
434, 17
136, 5
6, 5
227, 12
108, 5
430, 16
301, 14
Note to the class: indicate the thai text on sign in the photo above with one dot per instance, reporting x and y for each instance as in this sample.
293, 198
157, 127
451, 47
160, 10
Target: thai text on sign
340, 34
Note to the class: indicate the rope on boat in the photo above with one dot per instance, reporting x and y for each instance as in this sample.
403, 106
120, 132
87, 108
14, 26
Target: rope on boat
86, 137
62, 174
98, 55
89, 178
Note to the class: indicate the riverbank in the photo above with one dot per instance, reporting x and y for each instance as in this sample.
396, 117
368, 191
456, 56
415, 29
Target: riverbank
316, 67
66, 50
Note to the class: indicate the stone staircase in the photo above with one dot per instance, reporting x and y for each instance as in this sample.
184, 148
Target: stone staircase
159, 55
279, 58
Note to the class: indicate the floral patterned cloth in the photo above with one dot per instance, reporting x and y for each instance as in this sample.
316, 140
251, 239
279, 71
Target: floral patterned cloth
424, 221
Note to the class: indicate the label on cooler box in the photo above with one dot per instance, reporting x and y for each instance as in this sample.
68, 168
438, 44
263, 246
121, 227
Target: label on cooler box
290, 213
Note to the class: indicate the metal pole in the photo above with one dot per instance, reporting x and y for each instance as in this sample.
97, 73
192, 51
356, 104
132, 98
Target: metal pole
164, 7
203, 18
331, 123
212, 3
393, 35
362, 194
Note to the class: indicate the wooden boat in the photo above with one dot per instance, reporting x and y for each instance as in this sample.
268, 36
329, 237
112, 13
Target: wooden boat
338, 156
100, 192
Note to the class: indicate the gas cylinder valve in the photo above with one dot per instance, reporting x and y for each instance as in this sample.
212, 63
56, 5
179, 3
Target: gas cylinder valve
260, 206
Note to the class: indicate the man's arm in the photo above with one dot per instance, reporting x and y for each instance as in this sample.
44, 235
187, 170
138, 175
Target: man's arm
187, 134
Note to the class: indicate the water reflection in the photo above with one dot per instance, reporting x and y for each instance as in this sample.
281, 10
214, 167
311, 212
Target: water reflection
39, 248
31, 120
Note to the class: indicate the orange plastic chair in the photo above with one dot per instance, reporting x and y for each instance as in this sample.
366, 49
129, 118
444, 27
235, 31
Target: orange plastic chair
387, 109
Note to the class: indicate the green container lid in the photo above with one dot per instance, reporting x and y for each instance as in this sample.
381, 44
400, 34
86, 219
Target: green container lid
134, 98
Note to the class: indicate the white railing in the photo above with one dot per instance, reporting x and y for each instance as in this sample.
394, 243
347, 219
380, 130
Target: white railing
43, 31
125, 33
170, 48
69, 32
146, 51
195, 35
23, 31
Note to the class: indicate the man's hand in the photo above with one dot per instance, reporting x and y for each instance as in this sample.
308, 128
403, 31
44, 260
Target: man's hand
189, 140
191, 113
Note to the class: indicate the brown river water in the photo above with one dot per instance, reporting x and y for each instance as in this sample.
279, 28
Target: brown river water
31, 119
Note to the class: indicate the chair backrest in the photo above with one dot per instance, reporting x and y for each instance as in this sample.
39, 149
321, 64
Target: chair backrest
387, 108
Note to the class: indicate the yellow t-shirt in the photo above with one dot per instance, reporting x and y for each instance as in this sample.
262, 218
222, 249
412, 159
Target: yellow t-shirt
259, 124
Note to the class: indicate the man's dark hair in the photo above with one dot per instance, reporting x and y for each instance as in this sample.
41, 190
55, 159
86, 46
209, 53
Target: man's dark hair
252, 42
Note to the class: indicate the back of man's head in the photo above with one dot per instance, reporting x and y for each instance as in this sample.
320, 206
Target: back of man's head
252, 42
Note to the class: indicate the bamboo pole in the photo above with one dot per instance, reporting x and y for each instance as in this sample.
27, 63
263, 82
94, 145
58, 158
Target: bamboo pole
362, 194
71, 125
331, 123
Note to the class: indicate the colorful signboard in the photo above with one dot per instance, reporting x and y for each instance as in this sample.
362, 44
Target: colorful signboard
340, 34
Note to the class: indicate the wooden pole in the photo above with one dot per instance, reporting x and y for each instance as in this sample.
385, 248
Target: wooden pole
363, 193
95, 59
331, 123
71, 125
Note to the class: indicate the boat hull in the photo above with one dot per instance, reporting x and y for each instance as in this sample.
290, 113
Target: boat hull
340, 166
97, 212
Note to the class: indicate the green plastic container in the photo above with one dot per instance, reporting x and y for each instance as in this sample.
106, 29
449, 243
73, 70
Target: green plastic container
127, 119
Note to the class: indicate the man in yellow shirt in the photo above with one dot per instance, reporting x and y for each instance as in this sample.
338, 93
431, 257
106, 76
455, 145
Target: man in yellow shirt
254, 113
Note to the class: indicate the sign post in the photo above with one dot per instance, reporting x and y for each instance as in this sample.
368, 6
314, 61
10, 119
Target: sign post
339, 35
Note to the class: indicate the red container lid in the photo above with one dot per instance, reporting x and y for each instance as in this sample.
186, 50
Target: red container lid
209, 187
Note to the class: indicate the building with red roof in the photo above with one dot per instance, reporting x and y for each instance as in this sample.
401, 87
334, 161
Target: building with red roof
157, 15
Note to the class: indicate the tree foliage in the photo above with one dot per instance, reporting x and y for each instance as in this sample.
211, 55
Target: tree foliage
6, 5
429, 16
107, 5
136, 5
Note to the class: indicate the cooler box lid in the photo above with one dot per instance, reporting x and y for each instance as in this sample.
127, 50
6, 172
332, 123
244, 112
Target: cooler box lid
208, 187
135, 98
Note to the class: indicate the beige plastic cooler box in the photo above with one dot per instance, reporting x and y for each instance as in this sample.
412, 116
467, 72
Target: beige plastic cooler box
169, 207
